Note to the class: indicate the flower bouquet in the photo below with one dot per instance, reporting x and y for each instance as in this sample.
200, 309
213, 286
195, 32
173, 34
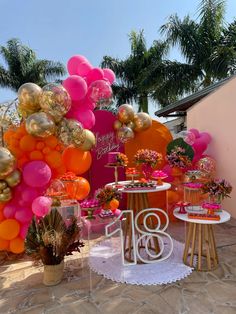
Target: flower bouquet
122, 160
148, 159
179, 154
217, 189
108, 198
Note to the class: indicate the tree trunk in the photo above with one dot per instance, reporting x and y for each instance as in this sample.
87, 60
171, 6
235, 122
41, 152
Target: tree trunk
143, 103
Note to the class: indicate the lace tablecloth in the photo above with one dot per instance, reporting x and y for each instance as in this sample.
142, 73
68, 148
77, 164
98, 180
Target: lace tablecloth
105, 259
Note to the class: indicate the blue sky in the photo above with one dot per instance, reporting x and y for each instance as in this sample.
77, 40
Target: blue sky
58, 29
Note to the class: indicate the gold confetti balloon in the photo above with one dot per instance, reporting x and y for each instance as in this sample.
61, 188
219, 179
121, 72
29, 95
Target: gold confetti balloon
207, 166
125, 113
90, 140
117, 124
7, 162
55, 100
14, 178
142, 122
70, 132
40, 124
29, 96
131, 125
125, 134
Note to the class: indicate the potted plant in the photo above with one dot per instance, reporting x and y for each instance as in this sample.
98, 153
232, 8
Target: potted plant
49, 240
217, 189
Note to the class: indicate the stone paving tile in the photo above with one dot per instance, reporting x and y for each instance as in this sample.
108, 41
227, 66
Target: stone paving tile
22, 291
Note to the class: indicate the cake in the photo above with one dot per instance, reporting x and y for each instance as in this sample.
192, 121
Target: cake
112, 158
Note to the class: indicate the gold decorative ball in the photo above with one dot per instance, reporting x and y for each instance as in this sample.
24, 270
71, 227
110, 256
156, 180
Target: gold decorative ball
14, 178
7, 162
125, 113
90, 140
40, 124
28, 96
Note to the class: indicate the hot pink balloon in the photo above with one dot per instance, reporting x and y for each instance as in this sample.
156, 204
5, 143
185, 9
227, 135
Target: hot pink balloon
41, 206
85, 116
36, 173
206, 136
29, 194
23, 215
168, 170
195, 132
100, 92
84, 68
23, 230
73, 64
76, 87
10, 210
94, 75
109, 75
199, 146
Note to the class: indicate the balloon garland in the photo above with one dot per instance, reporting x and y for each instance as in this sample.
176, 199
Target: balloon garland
128, 123
52, 138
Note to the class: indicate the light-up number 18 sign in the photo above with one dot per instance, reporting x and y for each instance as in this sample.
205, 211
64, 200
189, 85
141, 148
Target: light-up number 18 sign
144, 235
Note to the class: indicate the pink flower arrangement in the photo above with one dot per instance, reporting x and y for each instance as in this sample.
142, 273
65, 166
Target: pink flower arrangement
106, 194
147, 156
217, 187
177, 158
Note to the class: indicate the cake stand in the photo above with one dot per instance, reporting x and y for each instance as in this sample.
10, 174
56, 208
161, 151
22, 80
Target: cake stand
115, 171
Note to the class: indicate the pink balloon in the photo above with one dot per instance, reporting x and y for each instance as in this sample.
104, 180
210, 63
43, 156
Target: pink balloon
84, 116
36, 173
29, 194
109, 75
168, 170
10, 210
195, 132
84, 68
117, 212
41, 206
23, 215
76, 87
199, 146
206, 136
86, 103
23, 230
94, 75
100, 92
73, 64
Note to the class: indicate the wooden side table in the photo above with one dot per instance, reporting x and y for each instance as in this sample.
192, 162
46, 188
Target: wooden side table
137, 201
200, 240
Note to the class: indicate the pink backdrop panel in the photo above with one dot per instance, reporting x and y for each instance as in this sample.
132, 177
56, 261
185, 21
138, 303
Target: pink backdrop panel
106, 142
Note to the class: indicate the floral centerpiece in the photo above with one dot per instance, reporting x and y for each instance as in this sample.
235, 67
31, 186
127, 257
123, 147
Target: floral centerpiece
108, 197
218, 189
179, 154
148, 159
122, 160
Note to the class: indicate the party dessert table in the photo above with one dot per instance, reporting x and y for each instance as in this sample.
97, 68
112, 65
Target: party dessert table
200, 236
137, 201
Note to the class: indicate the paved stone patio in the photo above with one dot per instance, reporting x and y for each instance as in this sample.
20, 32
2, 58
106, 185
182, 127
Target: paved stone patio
84, 292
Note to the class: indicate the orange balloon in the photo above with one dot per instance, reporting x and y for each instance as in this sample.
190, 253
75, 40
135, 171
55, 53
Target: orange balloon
4, 245
1, 212
61, 170
40, 145
22, 130
22, 161
8, 135
17, 245
52, 141
46, 150
14, 142
76, 160
9, 229
114, 204
53, 159
27, 143
83, 188
17, 152
36, 155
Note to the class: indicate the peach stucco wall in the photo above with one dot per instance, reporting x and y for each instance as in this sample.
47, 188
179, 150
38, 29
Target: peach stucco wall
216, 114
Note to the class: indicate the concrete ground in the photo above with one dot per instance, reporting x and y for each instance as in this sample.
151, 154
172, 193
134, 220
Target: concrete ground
85, 292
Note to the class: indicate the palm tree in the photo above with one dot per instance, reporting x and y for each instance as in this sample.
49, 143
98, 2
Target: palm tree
23, 66
202, 43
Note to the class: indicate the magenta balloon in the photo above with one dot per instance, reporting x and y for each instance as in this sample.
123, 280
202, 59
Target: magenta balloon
76, 87
86, 103
29, 194
195, 132
109, 75
73, 64
41, 206
36, 173
87, 118
23, 215
206, 136
84, 68
10, 210
199, 146
94, 75
23, 230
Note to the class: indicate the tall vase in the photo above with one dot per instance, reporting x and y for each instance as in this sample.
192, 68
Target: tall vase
147, 171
